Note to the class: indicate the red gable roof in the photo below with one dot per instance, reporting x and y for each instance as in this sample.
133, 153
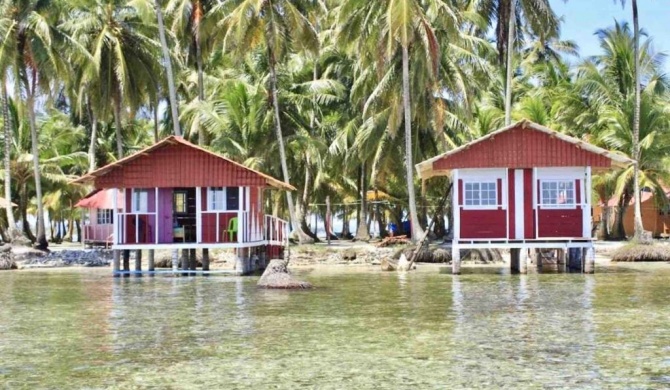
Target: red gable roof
522, 145
99, 199
175, 162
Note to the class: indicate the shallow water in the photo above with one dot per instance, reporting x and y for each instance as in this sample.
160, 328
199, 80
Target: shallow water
359, 329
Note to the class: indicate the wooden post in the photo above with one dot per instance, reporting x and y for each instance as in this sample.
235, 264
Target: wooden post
151, 266
523, 261
239, 262
184, 260
561, 257
175, 260
205, 259
126, 260
116, 262
192, 260
455, 259
575, 259
138, 261
538, 258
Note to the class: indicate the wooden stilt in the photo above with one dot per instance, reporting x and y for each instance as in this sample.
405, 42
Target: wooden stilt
455, 260
523, 261
138, 261
184, 260
538, 258
192, 260
151, 266
175, 260
126, 260
575, 260
561, 257
239, 262
205, 259
116, 262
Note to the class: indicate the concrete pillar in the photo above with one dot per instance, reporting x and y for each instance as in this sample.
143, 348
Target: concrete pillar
589, 260
116, 262
523, 260
514, 260
205, 259
240, 262
138, 261
175, 260
151, 266
126, 261
455, 259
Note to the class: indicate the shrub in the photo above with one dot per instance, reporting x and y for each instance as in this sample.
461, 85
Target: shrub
642, 252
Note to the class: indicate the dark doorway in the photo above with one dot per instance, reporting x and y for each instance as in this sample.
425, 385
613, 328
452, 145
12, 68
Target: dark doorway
183, 206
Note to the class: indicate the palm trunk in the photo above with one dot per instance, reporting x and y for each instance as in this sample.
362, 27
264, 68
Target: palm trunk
202, 139
174, 105
158, 100
30, 100
94, 138
23, 209
639, 228
510, 56
7, 122
282, 151
362, 231
416, 228
118, 129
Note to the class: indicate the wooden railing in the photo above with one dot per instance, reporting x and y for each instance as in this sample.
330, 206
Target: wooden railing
276, 230
98, 233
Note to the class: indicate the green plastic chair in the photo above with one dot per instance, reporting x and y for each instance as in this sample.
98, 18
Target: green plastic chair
232, 228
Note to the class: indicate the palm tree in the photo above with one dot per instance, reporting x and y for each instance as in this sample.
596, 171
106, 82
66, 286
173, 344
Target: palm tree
122, 65
637, 220
7, 131
281, 26
30, 48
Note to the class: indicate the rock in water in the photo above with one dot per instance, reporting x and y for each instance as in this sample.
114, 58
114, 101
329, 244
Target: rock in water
388, 265
403, 263
276, 275
6, 257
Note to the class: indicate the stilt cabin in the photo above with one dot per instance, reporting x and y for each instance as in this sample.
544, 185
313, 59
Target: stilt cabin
176, 195
98, 226
525, 188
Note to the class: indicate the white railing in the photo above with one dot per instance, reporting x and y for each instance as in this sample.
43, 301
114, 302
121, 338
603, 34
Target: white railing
98, 233
276, 230
148, 233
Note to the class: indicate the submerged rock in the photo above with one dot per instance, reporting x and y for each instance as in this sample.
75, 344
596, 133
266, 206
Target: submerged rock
276, 275
388, 265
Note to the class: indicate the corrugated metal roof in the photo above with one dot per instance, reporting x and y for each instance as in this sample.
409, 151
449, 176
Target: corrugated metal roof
174, 140
427, 168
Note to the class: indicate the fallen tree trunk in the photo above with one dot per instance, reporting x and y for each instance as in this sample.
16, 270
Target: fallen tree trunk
276, 276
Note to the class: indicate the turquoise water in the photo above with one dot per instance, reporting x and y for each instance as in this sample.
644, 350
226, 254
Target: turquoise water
359, 329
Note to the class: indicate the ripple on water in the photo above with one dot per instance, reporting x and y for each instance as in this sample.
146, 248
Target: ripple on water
356, 330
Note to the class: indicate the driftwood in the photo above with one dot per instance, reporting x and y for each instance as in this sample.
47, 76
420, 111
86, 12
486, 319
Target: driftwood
395, 240
276, 275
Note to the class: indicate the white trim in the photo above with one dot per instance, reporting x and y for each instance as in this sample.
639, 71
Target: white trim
519, 205
192, 245
525, 244
456, 211
536, 212
563, 206
506, 183
198, 214
586, 202
156, 215
115, 204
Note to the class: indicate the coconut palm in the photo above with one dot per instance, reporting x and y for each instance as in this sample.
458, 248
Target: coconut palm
122, 67
281, 26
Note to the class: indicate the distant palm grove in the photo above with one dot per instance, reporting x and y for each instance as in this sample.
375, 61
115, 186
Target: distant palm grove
337, 97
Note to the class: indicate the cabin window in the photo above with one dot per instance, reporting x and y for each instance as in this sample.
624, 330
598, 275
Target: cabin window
558, 193
105, 216
481, 193
179, 202
223, 198
140, 201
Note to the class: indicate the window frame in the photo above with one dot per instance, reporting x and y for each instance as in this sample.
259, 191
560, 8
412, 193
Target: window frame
137, 198
567, 205
107, 216
480, 191
212, 202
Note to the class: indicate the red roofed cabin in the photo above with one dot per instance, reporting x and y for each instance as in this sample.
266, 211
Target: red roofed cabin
176, 195
522, 187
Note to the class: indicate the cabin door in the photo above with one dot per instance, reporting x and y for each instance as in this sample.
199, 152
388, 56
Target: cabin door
521, 216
